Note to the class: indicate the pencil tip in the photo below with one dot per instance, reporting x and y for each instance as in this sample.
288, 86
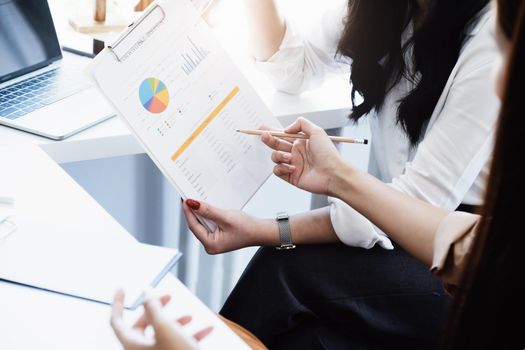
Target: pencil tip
366, 142
238, 130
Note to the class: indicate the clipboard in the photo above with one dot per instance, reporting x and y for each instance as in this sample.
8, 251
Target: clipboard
132, 39
171, 46
138, 32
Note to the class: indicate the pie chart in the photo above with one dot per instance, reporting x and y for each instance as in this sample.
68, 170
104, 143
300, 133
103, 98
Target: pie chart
154, 95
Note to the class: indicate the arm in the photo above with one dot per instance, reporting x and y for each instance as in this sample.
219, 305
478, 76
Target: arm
236, 229
294, 60
410, 222
267, 27
316, 166
313, 227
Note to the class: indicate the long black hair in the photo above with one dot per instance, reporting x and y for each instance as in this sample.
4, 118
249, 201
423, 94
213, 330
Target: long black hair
372, 40
487, 312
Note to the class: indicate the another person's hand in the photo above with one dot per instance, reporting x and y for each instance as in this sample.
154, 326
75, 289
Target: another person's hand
235, 229
168, 333
308, 164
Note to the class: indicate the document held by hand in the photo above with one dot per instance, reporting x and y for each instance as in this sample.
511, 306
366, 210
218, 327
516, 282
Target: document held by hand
184, 99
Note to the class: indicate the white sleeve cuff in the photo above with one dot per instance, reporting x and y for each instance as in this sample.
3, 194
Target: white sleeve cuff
354, 229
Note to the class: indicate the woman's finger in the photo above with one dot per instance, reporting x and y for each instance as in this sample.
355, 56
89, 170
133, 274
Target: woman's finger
184, 320
203, 333
207, 211
194, 224
125, 335
281, 157
283, 169
142, 321
153, 310
117, 309
276, 143
303, 125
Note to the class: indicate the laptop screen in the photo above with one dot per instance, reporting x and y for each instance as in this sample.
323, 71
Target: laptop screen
28, 40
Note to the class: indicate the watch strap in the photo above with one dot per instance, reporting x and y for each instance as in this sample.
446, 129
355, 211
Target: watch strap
285, 233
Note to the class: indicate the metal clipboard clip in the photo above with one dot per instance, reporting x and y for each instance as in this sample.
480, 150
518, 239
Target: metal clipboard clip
137, 33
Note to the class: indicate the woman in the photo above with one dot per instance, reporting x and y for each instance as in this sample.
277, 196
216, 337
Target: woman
422, 69
434, 57
480, 265
480, 260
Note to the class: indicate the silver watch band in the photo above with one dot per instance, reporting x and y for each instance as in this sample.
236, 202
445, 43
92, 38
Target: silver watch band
284, 231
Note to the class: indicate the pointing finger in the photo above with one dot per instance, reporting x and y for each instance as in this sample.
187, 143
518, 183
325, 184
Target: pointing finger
305, 126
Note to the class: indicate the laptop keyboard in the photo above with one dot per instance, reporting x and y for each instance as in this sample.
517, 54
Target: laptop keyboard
39, 91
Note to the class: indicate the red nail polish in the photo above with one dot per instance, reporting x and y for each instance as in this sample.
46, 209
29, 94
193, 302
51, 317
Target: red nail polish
193, 204
203, 333
184, 320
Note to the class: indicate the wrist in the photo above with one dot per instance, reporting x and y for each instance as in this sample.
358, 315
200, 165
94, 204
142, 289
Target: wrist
341, 177
267, 233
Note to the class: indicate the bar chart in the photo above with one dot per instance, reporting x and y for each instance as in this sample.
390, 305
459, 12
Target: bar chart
193, 57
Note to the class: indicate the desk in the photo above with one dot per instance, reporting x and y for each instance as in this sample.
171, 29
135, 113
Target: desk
33, 319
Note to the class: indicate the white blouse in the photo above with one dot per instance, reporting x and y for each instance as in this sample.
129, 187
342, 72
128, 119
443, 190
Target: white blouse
450, 165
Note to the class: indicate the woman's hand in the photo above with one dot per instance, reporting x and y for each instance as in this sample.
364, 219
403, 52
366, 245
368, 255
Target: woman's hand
308, 164
235, 229
168, 333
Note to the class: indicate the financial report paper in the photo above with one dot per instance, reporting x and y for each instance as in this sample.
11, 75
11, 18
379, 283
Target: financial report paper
184, 99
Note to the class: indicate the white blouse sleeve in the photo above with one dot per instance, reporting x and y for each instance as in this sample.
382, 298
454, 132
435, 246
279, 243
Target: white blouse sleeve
454, 152
303, 60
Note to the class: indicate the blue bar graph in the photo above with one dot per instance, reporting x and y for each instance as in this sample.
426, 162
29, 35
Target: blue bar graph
193, 57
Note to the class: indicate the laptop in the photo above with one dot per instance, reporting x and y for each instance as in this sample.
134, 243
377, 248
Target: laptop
39, 92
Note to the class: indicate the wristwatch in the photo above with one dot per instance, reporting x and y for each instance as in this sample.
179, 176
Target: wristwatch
284, 232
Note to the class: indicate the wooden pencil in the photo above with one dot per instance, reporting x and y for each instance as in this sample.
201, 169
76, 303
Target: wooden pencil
301, 136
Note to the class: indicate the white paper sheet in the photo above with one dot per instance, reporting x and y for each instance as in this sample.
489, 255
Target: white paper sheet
191, 133
69, 261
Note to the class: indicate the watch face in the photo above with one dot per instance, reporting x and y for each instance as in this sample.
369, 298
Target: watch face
282, 215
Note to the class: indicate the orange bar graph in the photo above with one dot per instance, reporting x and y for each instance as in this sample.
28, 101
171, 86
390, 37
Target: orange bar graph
205, 123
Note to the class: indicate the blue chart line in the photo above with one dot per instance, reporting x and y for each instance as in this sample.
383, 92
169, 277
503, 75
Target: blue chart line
193, 57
